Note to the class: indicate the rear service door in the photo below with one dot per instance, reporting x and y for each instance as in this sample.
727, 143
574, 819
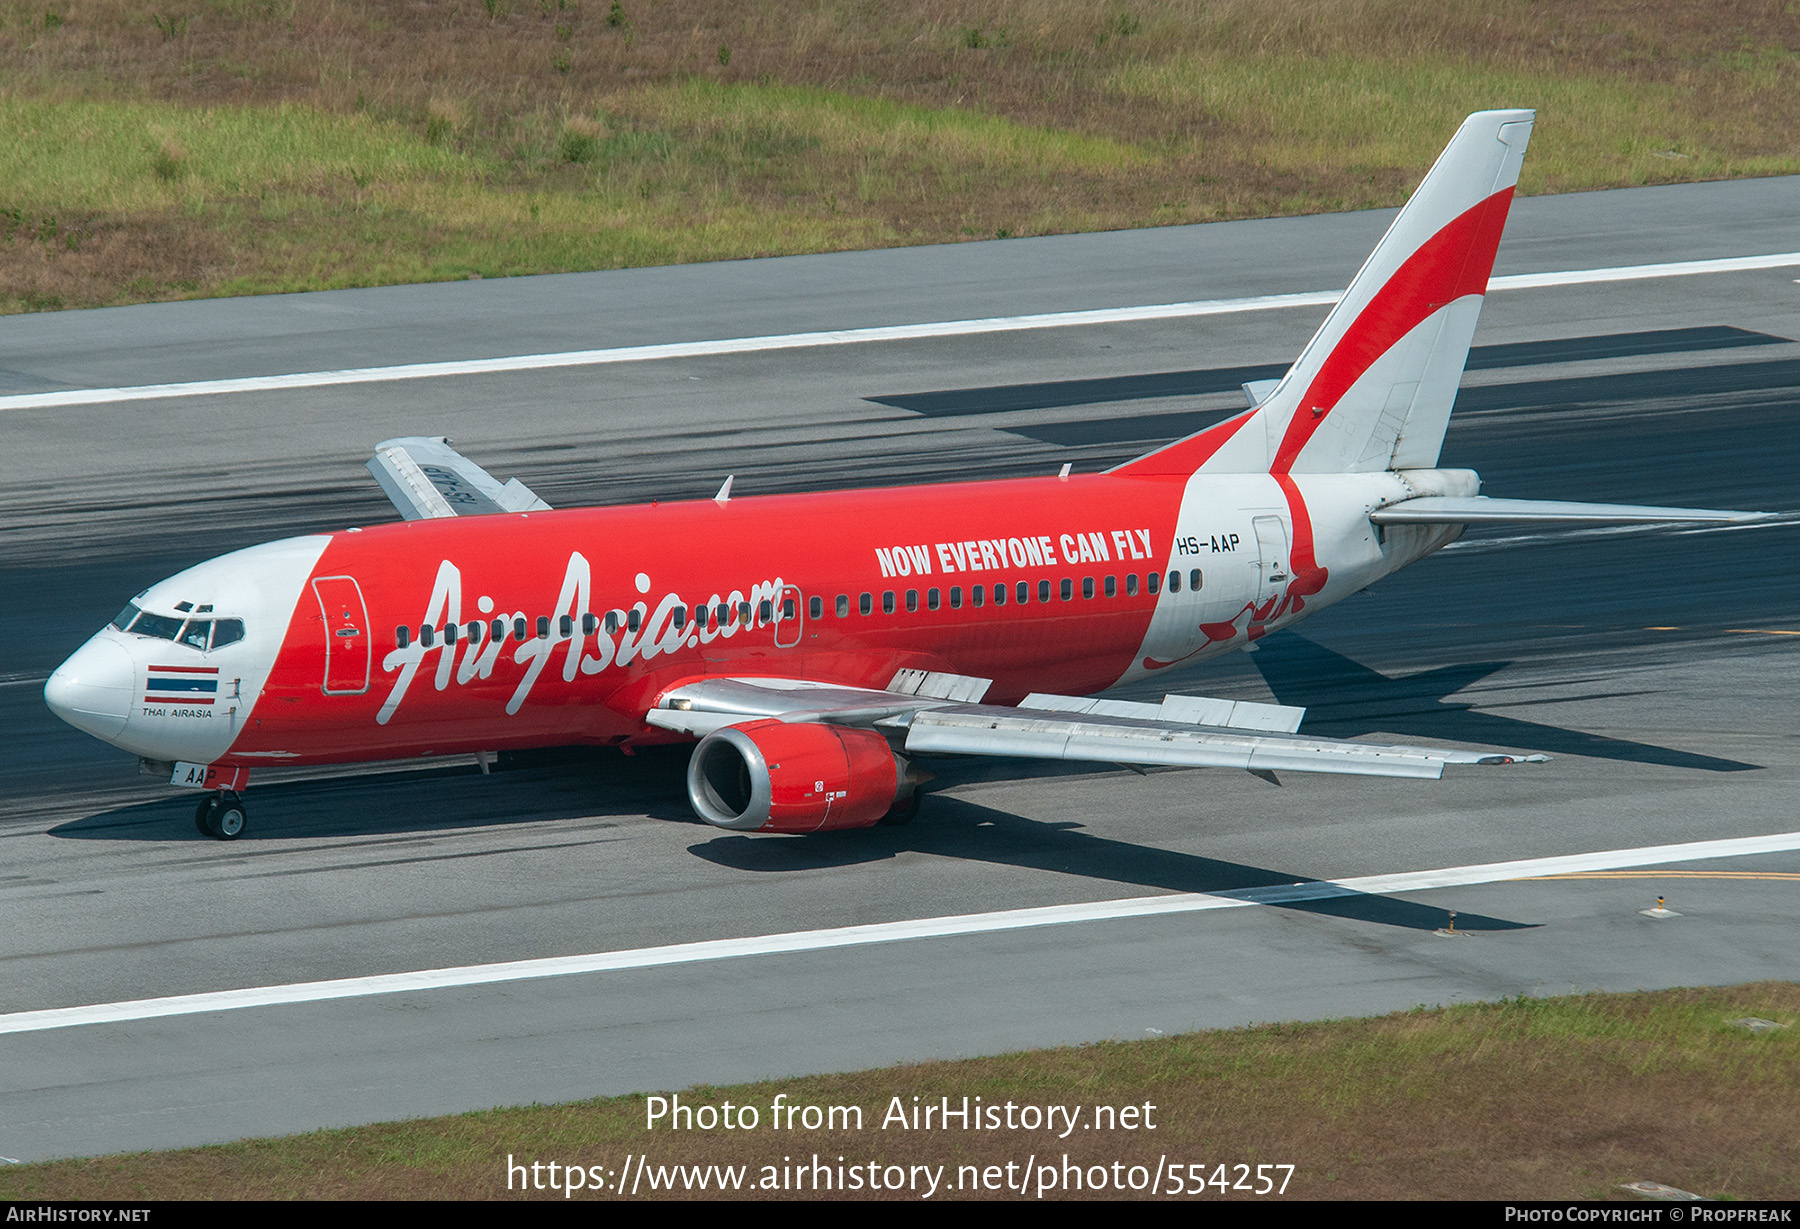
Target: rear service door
1272, 556
346, 623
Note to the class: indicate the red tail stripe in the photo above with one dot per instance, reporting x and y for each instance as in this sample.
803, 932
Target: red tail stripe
1452, 263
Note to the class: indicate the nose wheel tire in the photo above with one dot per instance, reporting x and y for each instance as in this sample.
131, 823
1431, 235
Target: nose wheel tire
222, 817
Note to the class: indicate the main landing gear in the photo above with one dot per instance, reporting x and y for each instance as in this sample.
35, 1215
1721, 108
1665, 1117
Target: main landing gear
221, 815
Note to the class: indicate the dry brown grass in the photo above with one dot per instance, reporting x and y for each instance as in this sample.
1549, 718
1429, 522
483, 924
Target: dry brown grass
1527, 1099
688, 129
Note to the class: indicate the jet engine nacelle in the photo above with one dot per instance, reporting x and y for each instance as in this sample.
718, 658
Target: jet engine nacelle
772, 776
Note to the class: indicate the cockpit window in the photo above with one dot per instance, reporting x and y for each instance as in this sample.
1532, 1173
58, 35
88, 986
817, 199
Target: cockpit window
158, 626
194, 633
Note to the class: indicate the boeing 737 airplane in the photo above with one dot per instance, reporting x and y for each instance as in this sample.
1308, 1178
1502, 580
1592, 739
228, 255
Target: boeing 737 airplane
817, 645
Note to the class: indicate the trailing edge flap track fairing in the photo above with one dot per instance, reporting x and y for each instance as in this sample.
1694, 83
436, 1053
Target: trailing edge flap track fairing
817, 645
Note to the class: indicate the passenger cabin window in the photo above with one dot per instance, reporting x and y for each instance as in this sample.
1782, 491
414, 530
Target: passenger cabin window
843, 605
787, 607
887, 601
978, 595
1043, 591
427, 636
765, 612
1152, 583
1194, 580
1068, 590
912, 600
866, 603
1174, 582
611, 622
678, 617
815, 608
519, 628
449, 633
1087, 586
475, 631
590, 622
933, 599
402, 636
543, 627
744, 613
496, 630
1112, 586
1131, 585
565, 626
634, 619
955, 596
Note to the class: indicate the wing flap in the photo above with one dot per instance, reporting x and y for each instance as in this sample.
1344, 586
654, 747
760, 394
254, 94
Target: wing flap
941, 731
1182, 710
426, 479
935, 685
1481, 510
1259, 737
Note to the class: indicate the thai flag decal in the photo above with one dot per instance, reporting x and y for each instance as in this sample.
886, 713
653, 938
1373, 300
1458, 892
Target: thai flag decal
191, 685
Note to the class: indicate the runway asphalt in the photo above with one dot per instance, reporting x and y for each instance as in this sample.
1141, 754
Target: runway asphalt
1656, 667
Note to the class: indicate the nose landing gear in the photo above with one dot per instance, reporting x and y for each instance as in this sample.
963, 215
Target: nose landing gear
221, 815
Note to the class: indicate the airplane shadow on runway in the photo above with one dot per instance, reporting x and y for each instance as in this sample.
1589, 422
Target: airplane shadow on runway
575, 783
1344, 699
956, 828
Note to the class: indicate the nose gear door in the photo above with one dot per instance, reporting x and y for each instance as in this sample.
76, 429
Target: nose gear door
345, 622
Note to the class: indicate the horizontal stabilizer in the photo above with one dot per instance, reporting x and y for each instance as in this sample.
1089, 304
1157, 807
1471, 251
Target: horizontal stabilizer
427, 479
1480, 510
1258, 390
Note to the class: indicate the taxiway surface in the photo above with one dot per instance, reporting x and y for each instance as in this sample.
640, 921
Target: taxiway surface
1658, 668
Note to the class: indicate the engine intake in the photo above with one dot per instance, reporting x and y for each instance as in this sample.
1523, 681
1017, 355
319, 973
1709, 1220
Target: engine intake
772, 776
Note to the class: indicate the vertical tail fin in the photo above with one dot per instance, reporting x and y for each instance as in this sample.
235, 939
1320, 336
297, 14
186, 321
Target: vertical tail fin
1374, 387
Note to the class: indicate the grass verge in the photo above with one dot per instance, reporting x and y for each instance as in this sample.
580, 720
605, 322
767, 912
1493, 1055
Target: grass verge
1562, 1098
245, 146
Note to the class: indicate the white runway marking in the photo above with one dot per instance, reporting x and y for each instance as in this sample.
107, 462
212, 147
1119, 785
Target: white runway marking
887, 932
840, 337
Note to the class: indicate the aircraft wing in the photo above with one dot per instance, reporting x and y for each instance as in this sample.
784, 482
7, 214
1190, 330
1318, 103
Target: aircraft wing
426, 478
1480, 510
1182, 731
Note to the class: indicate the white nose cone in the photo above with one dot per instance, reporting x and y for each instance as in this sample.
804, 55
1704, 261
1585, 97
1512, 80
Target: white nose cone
93, 690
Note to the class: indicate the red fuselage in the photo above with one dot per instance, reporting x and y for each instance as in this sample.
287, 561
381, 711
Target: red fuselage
954, 578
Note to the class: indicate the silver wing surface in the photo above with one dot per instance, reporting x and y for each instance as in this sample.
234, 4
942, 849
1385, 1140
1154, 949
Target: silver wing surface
426, 478
1182, 731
